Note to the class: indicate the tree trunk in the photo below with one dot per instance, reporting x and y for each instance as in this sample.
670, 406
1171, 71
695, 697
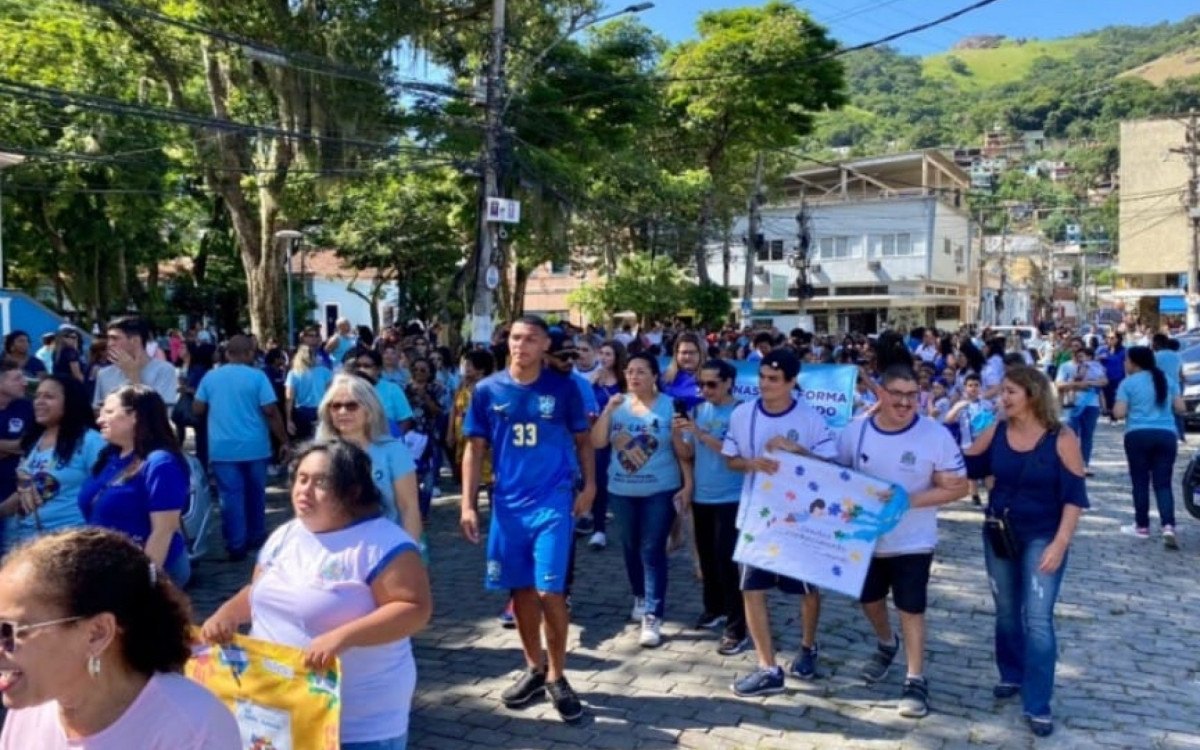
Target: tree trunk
520, 283
701, 250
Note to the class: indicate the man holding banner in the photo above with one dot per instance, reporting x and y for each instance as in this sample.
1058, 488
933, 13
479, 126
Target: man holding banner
776, 421
902, 447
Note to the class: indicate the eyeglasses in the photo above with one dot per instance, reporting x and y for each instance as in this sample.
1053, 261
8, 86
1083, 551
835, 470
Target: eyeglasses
10, 631
710, 383
902, 396
350, 406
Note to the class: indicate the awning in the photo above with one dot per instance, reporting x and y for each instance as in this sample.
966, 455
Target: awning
1172, 305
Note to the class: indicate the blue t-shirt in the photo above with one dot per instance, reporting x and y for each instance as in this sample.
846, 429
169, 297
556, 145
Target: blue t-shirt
159, 484
308, 388
395, 404
714, 481
1169, 361
390, 460
237, 427
58, 483
344, 345
15, 420
1137, 392
643, 460
531, 430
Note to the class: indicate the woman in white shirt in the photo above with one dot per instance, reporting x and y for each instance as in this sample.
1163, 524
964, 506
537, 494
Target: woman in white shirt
341, 581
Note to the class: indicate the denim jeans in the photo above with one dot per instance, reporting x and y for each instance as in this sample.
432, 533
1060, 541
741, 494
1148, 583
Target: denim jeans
645, 523
1026, 650
1151, 457
1083, 422
600, 504
395, 743
242, 488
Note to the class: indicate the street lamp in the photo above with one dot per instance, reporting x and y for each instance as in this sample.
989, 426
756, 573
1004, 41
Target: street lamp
292, 237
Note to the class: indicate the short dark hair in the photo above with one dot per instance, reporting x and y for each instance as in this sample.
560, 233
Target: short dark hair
91, 571
349, 479
897, 372
972, 376
11, 337
533, 320
130, 325
359, 352
650, 360
724, 370
764, 337
481, 360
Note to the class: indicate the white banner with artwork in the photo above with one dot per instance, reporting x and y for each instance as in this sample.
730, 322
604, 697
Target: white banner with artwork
817, 522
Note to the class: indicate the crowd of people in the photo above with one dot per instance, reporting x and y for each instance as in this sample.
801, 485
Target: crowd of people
559, 428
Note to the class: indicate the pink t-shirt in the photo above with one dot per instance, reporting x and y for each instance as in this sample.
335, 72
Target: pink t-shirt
171, 713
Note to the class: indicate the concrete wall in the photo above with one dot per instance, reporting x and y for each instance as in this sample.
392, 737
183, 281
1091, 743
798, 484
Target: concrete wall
1154, 231
334, 291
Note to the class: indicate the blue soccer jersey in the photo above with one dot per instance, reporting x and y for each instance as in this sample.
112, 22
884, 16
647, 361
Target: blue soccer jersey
531, 429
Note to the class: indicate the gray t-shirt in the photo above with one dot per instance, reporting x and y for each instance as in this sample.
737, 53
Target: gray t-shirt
157, 374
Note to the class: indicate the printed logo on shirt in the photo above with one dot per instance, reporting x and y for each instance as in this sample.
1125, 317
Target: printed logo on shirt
908, 458
793, 436
333, 571
546, 406
15, 424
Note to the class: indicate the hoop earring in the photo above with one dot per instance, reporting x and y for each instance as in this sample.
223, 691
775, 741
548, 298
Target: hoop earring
93, 666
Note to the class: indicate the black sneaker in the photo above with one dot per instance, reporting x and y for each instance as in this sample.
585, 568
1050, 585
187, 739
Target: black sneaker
566, 702
881, 661
1005, 690
709, 621
1040, 727
531, 685
914, 701
585, 525
804, 666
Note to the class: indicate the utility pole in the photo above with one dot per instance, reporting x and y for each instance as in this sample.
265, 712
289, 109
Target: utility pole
755, 240
1191, 152
488, 242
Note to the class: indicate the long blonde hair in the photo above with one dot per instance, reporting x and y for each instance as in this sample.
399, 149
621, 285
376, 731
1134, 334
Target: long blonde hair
1043, 402
303, 361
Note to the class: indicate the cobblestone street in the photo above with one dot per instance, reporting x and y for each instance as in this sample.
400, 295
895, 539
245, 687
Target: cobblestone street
1125, 678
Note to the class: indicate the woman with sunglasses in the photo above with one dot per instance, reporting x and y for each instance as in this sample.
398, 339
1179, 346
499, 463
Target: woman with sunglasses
139, 483
351, 410
66, 354
717, 489
645, 485
59, 453
93, 638
340, 582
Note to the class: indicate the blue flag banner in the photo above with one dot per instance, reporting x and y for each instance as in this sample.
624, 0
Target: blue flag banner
827, 388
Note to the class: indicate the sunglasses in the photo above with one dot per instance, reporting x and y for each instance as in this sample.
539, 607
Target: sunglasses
10, 631
710, 383
350, 406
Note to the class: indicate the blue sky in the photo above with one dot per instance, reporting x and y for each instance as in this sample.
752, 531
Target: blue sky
856, 21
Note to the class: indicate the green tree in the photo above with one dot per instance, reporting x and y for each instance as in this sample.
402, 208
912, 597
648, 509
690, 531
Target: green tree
711, 302
653, 288
752, 82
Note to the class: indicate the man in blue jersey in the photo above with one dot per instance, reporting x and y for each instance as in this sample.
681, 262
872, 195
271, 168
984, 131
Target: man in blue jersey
535, 423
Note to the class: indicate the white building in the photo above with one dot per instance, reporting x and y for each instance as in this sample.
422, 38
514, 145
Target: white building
339, 291
891, 246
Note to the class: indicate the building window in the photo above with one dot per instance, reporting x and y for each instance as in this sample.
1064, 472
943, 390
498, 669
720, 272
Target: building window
769, 251
898, 245
839, 248
559, 267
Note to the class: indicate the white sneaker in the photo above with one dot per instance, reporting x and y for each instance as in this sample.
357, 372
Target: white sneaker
1135, 531
651, 632
598, 541
639, 609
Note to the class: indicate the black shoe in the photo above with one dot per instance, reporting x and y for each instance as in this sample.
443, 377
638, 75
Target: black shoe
584, 526
531, 685
976, 500
1040, 727
1002, 690
708, 621
880, 662
566, 702
914, 700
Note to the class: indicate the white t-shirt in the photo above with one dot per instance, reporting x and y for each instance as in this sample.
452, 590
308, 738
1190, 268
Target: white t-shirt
313, 583
908, 457
171, 713
157, 374
751, 427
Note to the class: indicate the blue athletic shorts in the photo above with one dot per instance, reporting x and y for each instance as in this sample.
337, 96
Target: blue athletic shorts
532, 550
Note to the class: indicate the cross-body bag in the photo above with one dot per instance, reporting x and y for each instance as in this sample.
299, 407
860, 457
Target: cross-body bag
998, 529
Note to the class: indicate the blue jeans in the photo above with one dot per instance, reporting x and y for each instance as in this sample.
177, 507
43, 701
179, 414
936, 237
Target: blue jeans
1026, 650
600, 504
645, 524
1083, 422
1151, 457
242, 487
395, 743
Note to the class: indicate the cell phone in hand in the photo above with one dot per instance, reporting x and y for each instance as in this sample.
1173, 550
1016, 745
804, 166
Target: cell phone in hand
681, 408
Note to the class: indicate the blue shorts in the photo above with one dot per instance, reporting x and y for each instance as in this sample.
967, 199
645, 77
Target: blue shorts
532, 550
